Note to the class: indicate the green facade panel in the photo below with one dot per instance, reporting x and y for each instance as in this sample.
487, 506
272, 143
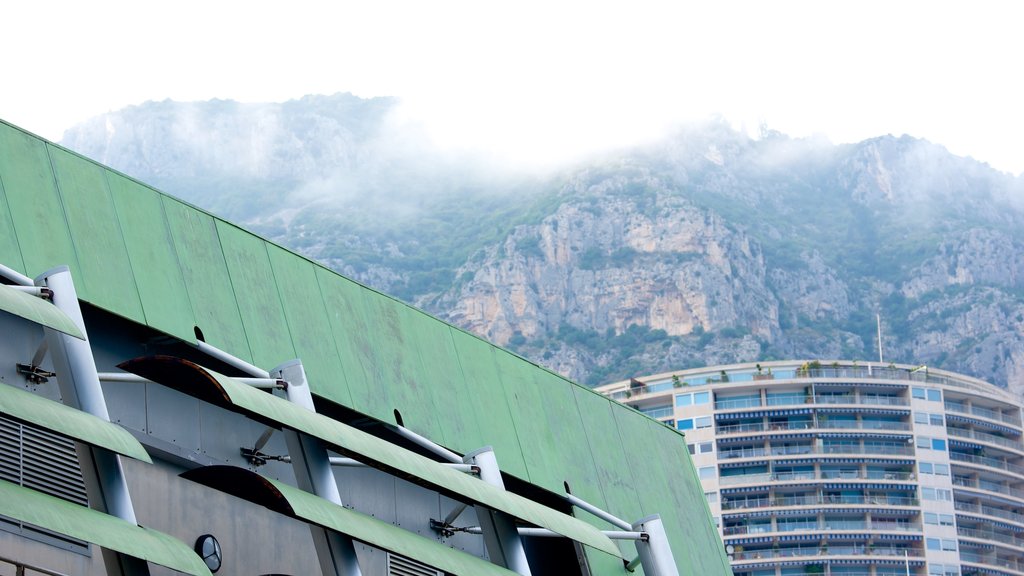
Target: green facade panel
56, 417
37, 310
255, 289
63, 517
105, 277
206, 277
343, 301
34, 203
10, 251
307, 320
150, 246
484, 396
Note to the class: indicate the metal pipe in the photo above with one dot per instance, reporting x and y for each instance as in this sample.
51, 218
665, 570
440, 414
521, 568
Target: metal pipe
428, 444
80, 388
33, 290
654, 553
263, 383
580, 503
501, 539
335, 551
353, 463
632, 564
231, 360
545, 533
15, 276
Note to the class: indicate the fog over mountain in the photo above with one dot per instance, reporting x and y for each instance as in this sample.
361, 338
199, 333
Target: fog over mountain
706, 247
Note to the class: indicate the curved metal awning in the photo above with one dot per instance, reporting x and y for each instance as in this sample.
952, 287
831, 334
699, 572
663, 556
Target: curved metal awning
207, 385
37, 411
301, 505
35, 309
63, 517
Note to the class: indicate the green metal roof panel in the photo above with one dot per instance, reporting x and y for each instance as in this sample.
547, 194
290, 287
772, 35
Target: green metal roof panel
34, 203
484, 397
10, 252
310, 508
211, 386
151, 255
207, 282
35, 309
105, 276
52, 513
56, 417
259, 301
307, 320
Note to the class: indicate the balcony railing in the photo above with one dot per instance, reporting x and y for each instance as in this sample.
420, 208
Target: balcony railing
991, 535
818, 499
983, 412
768, 477
988, 511
986, 437
989, 486
991, 559
986, 461
659, 412
803, 551
863, 425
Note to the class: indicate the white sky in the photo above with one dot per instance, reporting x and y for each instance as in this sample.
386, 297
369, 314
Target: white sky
543, 80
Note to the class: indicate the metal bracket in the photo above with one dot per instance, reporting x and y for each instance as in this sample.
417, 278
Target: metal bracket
445, 529
254, 457
35, 374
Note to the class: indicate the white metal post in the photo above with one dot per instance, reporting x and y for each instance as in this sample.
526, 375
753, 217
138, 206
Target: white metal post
504, 546
80, 388
655, 554
312, 466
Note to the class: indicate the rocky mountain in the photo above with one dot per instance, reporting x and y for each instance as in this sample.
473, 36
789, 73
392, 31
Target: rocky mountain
707, 247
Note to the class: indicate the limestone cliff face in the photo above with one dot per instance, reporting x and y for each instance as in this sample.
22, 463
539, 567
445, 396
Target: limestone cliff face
708, 247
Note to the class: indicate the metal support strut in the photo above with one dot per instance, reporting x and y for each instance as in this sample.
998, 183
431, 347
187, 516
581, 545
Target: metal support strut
654, 553
504, 546
312, 466
80, 388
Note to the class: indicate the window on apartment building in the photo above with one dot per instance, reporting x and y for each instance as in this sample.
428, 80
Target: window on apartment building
685, 424
918, 393
684, 400
935, 395
707, 447
701, 398
949, 545
712, 497
938, 444
925, 468
935, 419
921, 417
933, 543
703, 422
941, 469
706, 472
924, 442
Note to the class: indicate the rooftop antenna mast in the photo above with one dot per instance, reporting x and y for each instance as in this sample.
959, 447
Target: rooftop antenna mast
878, 320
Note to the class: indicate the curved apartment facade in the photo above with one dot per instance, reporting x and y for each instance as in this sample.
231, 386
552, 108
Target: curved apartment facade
848, 468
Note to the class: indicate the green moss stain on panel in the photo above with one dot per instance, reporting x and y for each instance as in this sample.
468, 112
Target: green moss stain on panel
439, 367
36, 210
687, 508
307, 319
10, 251
106, 278
151, 253
485, 397
206, 278
259, 303
548, 426
344, 303
608, 453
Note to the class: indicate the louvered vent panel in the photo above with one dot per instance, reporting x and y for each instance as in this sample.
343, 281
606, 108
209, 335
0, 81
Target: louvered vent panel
402, 566
40, 460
